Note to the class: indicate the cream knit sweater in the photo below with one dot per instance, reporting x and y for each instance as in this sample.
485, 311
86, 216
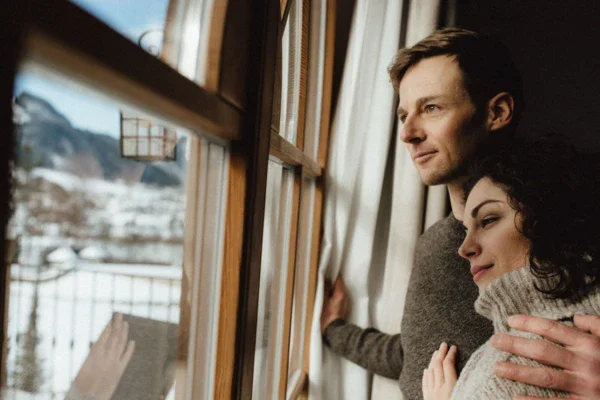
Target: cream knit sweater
514, 293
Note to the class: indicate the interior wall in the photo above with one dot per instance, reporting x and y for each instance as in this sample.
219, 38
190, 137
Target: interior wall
554, 44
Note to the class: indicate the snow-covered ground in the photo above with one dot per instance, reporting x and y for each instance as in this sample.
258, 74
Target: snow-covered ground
75, 306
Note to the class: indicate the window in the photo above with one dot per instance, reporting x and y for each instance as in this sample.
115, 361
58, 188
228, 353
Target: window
97, 234
293, 204
240, 287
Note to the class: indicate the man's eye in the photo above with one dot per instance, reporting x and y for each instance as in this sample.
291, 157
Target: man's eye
402, 118
487, 221
431, 108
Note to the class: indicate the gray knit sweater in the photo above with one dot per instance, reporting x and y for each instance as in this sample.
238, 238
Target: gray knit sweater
514, 293
438, 308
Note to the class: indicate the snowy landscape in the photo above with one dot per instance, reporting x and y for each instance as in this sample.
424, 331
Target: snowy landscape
95, 234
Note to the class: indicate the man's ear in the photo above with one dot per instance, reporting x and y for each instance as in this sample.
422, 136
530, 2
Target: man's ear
500, 111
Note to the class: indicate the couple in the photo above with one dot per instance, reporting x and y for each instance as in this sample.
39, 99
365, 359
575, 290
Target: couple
460, 96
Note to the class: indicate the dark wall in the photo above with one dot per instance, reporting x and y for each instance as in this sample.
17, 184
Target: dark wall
555, 44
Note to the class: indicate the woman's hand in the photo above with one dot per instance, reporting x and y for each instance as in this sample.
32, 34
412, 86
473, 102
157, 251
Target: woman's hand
440, 378
100, 373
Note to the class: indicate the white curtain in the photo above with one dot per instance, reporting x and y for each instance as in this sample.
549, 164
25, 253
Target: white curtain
354, 224
408, 206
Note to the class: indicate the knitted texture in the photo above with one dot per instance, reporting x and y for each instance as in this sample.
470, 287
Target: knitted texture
514, 293
438, 308
75, 394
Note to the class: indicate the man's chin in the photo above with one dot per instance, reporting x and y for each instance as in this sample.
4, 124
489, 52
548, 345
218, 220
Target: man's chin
433, 179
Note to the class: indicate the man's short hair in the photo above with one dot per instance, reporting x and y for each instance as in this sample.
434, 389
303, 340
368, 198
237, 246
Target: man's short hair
485, 62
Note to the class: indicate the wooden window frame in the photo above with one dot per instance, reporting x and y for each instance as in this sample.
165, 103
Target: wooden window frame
219, 111
295, 156
107, 61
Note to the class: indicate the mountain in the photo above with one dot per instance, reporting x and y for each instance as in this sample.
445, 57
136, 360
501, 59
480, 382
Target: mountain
46, 138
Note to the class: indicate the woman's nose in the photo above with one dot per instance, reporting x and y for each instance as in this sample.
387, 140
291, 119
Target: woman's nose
469, 248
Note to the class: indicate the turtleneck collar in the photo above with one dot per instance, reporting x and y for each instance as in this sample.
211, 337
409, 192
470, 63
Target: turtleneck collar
515, 293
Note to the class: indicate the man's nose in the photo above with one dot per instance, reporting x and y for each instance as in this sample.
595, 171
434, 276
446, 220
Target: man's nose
412, 131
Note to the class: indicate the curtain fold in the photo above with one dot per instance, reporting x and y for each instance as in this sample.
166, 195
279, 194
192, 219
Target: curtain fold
411, 213
360, 138
357, 219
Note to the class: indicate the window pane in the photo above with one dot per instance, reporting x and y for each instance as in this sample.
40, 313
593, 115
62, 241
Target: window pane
141, 22
176, 31
269, 334
300, 296
316, 74
98, 234
290, 75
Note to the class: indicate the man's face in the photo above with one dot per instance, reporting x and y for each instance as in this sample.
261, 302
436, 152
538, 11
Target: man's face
438, 120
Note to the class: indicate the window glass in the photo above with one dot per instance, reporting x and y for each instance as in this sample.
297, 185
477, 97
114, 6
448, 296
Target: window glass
176, 31
273, 275
316, 74
301, 279
98, 241
141, 22
290, 75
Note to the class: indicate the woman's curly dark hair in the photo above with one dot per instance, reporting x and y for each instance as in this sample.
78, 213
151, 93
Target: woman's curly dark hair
556, 190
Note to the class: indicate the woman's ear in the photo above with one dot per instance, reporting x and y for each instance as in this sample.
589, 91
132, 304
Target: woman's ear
500, 111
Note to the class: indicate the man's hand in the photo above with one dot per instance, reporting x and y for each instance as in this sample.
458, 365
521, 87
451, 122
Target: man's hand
579, 358
335, 304
440, 378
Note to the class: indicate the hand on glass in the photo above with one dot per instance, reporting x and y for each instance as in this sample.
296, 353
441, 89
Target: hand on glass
579, 358
440, 378
100, 373
335, 304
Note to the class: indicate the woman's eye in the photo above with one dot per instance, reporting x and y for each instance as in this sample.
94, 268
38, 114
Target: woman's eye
487, 221
402, 118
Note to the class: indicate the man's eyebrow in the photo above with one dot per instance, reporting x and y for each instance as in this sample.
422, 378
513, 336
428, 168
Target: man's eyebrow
483, 203
420, 103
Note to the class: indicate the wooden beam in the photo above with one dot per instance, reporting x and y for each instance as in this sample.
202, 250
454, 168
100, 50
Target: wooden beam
230, 278
77, 45
291, 155
289, 286
215, 44
300, 386
255, 148
303, 78
284, 7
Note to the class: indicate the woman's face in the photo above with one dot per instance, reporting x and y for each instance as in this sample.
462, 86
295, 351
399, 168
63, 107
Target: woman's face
493, 245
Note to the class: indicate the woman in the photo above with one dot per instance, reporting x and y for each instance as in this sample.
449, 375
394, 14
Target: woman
532, 221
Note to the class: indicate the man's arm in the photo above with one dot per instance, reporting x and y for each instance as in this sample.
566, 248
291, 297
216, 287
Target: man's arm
377, 352
579, 359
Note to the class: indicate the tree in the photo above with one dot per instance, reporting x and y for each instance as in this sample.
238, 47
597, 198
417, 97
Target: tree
29, 372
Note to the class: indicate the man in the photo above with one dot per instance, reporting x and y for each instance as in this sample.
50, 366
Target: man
459, 96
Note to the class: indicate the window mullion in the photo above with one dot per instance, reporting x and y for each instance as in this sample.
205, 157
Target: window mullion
289, 284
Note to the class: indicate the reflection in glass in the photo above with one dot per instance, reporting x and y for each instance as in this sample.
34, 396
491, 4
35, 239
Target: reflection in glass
142, 22
144, 139
271, 301
175, 31
97, 235
301, 279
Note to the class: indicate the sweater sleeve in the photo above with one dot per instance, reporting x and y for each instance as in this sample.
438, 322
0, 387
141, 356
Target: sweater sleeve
377, 352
